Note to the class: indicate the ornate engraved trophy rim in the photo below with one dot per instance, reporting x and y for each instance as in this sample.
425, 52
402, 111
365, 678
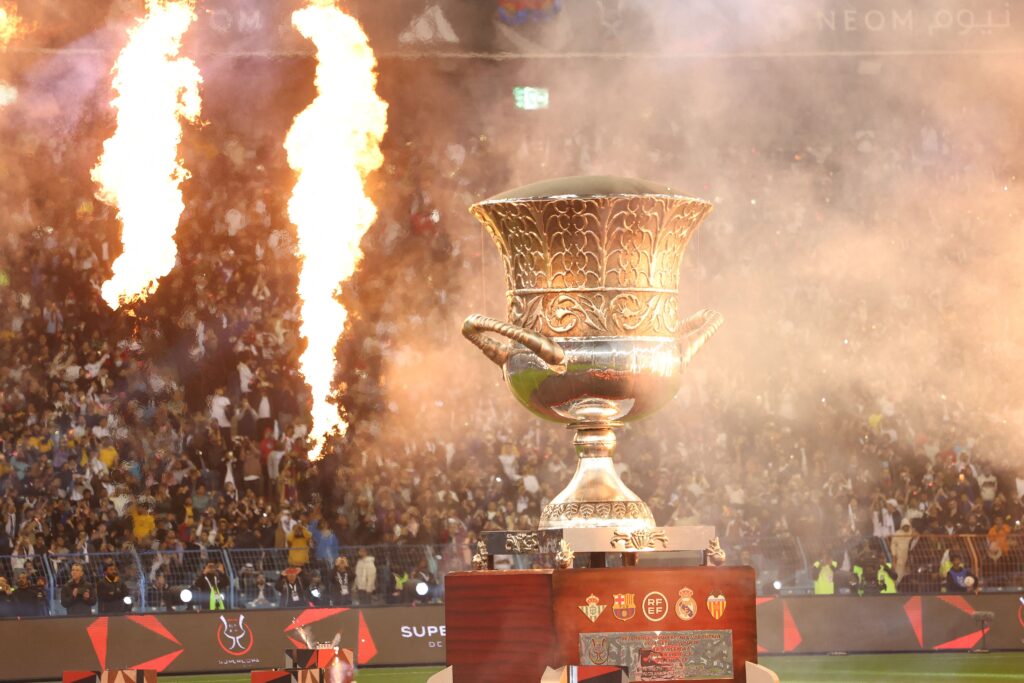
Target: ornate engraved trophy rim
556, 197
589, 187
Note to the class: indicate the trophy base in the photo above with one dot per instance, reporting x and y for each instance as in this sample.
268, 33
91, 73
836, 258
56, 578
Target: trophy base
508, 626
596, 498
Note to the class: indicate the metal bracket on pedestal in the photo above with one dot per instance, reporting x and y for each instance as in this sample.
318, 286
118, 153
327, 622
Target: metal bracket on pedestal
698, 541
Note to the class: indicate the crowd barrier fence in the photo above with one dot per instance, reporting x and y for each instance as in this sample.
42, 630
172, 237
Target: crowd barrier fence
784, 565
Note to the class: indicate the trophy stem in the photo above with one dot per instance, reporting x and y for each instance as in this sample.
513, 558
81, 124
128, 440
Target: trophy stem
596, 497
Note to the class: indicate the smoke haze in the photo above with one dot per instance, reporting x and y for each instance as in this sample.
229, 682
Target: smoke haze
864, 249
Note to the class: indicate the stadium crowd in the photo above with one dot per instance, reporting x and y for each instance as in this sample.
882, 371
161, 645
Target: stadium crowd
180, 424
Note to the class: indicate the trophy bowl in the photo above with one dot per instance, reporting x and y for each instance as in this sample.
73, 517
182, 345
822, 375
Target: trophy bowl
593, 337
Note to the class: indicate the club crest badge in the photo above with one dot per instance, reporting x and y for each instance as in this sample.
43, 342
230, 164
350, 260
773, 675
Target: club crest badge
716, 605
655, 606
597, 650
592, 610
624, 606
686, 606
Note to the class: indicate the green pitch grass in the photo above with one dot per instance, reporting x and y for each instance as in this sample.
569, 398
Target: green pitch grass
993, 667
902, 668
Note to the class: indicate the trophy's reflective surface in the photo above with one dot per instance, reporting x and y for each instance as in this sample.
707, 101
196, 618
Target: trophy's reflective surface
593, 337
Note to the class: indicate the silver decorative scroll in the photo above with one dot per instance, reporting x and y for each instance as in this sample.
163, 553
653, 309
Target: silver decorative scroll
662, 655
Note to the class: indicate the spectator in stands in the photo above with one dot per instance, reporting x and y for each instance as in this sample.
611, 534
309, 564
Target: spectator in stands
159, 595
326, 545
299, 540
422, 576
317, 593
885, 516
292, 588
899, 546
342, 582
999, 535
111, 591
78, 595
256, 591
221, 413
143, 522
6, 598
960, 578
29, 598
366, 577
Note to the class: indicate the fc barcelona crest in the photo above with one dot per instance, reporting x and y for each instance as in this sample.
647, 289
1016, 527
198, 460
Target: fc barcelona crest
592, 610
686, 606
623, 606
716, 605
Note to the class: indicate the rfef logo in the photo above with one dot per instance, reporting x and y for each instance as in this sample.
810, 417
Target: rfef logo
233, 636
655, 606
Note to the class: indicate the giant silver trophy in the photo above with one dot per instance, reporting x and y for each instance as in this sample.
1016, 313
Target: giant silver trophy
593, 337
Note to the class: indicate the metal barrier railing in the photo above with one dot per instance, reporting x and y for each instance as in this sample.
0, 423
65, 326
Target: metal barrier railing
390, 574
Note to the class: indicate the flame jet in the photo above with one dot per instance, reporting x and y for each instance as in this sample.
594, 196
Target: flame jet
333, 145
10, 28
139, 172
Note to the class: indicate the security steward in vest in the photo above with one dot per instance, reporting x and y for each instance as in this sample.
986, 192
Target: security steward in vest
824, 575
886, 578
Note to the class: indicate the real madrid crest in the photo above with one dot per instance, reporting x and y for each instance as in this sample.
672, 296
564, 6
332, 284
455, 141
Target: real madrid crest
592, 610
716, 605
624, 606
686, 606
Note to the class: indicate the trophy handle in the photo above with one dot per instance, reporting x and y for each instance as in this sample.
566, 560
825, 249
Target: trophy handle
696, 330
547, 350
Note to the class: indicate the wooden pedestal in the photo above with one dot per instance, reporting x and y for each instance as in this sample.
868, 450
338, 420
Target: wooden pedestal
507, 626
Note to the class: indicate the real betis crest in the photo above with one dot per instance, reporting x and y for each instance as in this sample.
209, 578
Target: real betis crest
592, 610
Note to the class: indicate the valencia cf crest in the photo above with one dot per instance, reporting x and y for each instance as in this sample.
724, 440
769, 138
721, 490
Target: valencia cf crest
623, 606
716, 605
686, 606
592, 610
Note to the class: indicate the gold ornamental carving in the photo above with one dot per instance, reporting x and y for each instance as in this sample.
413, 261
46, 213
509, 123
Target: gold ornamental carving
522, 542
586, 266
639, 539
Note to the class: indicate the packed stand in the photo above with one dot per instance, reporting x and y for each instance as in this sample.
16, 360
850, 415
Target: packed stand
143, 445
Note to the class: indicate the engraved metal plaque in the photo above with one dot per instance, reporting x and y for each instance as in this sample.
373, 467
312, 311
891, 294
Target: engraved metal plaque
662, 655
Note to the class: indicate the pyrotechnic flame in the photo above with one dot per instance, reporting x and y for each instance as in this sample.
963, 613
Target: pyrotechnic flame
8, 93
332, 146
10, 27
139, 172
10, 23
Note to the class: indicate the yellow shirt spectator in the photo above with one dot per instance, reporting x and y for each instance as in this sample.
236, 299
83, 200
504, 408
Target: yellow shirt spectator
42, 444
108, 456
143, 524
298, 546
